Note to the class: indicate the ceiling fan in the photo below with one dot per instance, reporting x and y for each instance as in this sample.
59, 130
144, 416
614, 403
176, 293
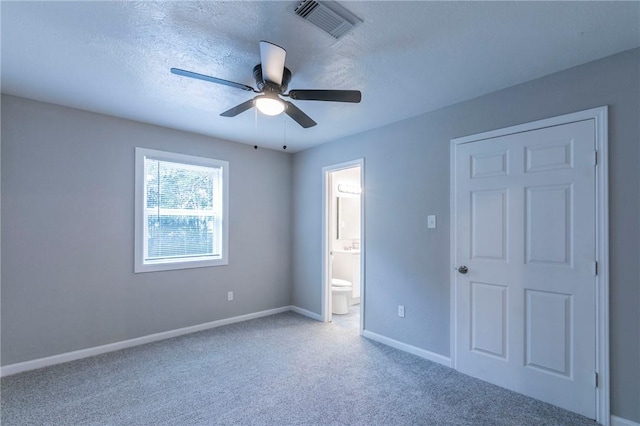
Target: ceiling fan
272, 79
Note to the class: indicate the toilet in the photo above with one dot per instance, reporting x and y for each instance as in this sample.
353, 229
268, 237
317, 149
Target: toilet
341, 291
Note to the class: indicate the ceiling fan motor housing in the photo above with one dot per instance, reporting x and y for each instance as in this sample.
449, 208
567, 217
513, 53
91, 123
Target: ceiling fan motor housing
269, 86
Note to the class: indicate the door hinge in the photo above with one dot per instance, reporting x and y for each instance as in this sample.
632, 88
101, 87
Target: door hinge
595, 268
595, 158
595, 380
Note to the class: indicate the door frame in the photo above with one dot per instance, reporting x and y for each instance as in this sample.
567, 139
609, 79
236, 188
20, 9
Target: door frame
600, 117
326, 258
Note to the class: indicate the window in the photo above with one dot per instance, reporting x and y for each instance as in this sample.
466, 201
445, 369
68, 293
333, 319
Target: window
181, 211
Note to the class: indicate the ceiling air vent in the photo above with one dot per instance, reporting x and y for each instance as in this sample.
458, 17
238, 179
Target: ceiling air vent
329, 16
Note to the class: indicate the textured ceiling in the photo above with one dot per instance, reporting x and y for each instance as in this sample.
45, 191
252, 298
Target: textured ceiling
406, 58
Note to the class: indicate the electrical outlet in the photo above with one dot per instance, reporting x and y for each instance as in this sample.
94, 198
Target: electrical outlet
401, 311
229, 296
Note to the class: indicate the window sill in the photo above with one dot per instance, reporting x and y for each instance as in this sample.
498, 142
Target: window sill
178, 264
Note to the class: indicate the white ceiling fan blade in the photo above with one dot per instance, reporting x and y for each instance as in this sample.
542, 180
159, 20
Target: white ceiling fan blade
272, 58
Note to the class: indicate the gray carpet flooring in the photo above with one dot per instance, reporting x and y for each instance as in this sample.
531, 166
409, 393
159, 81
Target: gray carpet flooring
279, 370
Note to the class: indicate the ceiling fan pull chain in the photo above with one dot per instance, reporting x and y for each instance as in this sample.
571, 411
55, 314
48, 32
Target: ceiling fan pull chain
284, 122
255, 119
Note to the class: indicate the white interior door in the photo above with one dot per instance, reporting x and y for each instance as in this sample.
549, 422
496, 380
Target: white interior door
525, 231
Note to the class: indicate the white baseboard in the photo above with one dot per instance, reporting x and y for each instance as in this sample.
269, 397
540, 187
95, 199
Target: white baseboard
619, 421
10, 369
422, 353
306, 313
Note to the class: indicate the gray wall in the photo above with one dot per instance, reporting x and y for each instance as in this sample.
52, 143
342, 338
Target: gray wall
67, 233
407, 178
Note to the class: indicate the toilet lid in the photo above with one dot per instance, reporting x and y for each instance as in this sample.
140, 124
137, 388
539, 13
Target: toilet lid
340, 283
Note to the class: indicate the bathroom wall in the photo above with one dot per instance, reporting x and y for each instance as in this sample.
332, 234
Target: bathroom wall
349, 177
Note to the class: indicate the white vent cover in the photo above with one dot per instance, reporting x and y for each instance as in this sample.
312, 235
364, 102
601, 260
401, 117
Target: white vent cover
329, 16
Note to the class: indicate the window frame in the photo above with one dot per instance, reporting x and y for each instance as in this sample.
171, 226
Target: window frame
139, 223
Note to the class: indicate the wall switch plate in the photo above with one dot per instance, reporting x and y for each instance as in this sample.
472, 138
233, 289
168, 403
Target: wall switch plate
431, 221
229, 296
401, 311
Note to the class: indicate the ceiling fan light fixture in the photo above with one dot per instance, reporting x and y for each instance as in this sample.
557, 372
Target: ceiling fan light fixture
269, 105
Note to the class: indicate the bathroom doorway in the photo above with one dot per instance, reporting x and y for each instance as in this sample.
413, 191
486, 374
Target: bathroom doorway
343, 245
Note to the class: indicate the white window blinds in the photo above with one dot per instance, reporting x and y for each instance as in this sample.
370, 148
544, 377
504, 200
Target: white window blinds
182, 210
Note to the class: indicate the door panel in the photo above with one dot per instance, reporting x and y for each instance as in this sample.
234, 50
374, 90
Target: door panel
489, 319
548, 224
525, 228
548, 331
486, 165
489, 223
549, 157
